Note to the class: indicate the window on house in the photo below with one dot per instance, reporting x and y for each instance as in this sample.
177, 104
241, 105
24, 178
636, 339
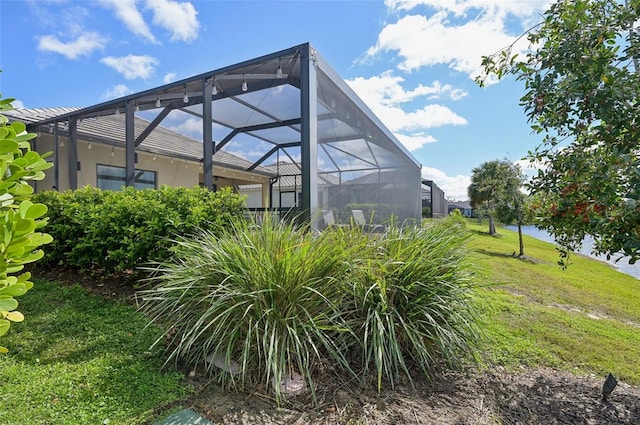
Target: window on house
114, 178
287, 199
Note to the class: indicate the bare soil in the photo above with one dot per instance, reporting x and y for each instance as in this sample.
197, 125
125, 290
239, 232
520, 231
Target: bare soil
496, 396
541, 396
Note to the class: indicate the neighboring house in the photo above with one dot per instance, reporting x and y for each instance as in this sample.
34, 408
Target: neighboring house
433, 199
463, 206
163, 158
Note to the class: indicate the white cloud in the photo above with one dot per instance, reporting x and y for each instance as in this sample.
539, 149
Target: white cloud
17, 104
169, 77
116, 91
530, 168
191, 126
128, 13
384, 94
464, 7
430, 116
453, 186
387, 89
426, 33
415, 141
64, 18
180, 19
457, 34
83, 45
426, 41
132, 66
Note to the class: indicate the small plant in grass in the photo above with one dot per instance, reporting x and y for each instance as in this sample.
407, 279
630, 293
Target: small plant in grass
263, 299
456, 217
19, 217
412, 300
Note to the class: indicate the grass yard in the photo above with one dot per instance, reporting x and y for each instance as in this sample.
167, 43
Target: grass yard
81, 359
584, 319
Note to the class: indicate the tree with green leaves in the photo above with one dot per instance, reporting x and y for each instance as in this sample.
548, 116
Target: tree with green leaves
515, 208
582, 94
494, 184
20, 219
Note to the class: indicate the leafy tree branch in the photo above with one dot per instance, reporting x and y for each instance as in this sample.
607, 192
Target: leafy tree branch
582, 96
20, 219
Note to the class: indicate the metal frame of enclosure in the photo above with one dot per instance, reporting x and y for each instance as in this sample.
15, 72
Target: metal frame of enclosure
286, 106
433, 198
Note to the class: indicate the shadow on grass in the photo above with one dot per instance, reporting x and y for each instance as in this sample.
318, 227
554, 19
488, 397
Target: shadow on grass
523, 258
485, 233
67, 324
513, 255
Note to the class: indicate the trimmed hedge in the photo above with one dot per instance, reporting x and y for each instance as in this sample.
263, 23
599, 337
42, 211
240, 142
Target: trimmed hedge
120, 231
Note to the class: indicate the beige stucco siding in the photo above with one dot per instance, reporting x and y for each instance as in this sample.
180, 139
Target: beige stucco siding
177, 173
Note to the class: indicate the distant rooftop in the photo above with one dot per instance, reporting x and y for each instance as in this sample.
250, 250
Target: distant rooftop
290, 175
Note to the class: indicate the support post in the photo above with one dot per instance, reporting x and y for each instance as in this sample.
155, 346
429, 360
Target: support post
207, 134
73, 152
130, 149
266, 194
309, 135
56, 157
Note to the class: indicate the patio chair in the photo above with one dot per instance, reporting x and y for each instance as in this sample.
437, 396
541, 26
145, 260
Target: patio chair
361, 221
329, 219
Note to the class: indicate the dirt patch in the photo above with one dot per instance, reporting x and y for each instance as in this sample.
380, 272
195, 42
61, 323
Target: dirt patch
541, 396
121, 287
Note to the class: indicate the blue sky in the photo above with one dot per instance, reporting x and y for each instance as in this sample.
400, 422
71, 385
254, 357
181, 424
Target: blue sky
412, 61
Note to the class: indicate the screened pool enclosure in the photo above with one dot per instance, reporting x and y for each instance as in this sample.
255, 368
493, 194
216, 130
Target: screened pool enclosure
290, 108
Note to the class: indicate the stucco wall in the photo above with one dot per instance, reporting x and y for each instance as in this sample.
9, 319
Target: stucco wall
178, 173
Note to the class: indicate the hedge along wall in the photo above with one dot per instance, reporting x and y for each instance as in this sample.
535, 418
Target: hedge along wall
120, 231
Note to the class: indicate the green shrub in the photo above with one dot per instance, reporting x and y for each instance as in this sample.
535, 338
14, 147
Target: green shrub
20, 218
119, 231
412, 301
265, 297
278, 299
456, 217
69, 217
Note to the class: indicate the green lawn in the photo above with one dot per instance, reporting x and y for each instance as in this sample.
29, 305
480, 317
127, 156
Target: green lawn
585, 318
81, 359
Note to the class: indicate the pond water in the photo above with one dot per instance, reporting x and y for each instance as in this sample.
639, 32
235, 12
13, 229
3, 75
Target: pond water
622, 265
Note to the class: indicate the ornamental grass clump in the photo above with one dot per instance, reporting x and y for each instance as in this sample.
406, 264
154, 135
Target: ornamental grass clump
258, 305
262, 302
411, 302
